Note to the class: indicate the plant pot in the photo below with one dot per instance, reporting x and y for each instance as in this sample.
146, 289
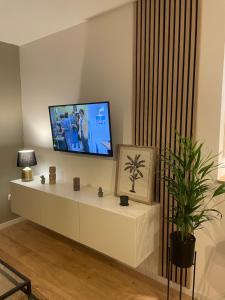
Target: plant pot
182, 252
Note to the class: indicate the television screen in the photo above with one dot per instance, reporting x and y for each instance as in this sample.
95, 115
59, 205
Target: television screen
82, 128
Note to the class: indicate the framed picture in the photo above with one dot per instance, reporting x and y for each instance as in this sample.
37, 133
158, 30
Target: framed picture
135, 176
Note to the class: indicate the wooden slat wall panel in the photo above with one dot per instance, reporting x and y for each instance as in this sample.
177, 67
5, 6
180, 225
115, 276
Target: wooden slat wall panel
165, 84
151, 70
147, 69
138, 71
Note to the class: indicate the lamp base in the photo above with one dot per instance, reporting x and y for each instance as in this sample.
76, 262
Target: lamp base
27, 174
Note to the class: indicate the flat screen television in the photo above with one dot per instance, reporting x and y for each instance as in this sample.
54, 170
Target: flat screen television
82, 128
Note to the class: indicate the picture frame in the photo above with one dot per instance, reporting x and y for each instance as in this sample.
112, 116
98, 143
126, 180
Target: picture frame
135, 173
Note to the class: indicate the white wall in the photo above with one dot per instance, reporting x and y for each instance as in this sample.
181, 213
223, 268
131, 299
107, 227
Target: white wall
211, 240
89, 62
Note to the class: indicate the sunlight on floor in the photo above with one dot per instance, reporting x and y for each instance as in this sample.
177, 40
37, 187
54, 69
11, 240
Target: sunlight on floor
141, 297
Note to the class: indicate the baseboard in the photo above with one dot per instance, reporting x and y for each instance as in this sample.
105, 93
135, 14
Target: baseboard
173, 285
11, 222
186, 291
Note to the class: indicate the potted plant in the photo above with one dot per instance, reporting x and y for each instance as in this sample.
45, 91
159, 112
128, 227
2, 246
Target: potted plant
189, 181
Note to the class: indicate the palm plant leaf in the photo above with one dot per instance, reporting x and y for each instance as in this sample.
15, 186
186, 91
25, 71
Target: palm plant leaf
139, 172
131, 160
127, 168
219, 190
188, 182
128, 163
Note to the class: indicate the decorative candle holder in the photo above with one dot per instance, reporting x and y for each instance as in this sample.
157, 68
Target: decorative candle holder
52, 175
100, 192
42, 179
76, 184
124, 200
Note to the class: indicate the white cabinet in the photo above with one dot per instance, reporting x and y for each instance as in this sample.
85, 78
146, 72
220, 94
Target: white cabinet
26, 202
54, 212
60, 214
124, 233
108, 232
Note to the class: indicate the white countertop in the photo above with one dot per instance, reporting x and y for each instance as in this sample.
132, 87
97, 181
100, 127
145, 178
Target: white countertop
88, 195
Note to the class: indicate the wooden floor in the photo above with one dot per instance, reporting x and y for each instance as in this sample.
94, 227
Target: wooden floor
62, 269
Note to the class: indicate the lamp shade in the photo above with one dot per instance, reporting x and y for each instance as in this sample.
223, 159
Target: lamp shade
26, 158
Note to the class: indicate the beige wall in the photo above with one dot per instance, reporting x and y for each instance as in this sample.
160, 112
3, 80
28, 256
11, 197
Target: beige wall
10, 123
89, 62
92, 61
211, 240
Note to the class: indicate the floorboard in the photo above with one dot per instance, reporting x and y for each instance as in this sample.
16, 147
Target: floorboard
63, 269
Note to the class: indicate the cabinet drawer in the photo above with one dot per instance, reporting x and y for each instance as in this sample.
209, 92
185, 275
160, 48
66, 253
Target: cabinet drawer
109, 233
54, 212
26, 202
61, 215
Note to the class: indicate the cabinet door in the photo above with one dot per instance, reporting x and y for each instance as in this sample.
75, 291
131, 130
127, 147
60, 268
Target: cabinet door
61, 215
25, 202
108, 232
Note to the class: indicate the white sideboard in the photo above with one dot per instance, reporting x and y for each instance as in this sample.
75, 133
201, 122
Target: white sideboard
125, 233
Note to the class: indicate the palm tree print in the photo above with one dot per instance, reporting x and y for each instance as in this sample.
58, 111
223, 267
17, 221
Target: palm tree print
133, 167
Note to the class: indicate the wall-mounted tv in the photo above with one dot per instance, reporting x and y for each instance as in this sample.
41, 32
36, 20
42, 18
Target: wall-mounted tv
82, 128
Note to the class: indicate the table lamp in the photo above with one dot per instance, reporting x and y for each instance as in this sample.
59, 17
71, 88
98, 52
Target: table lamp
26, 159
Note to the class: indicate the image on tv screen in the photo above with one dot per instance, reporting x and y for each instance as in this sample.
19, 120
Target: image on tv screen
82, 128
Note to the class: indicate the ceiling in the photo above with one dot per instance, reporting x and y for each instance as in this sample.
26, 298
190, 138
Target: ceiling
23, 21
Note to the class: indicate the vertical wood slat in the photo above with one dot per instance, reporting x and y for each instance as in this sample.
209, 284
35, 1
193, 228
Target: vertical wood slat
164, 128
138, 72
169, 129
155, 76
181, 55
165, 88
151, 63
160, 70
173, 96
147, 70
142, 72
